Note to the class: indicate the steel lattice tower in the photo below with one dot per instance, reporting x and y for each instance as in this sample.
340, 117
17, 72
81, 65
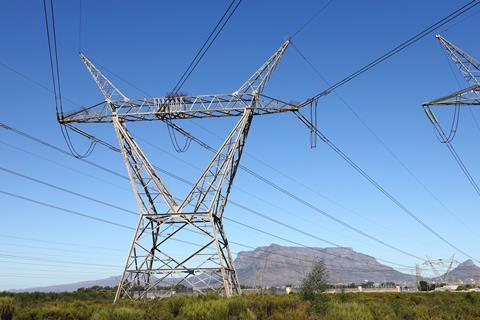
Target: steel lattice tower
470, 69
158, 257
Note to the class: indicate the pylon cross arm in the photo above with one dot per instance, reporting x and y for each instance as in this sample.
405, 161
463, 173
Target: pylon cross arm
469, 67
465, 97
185, 107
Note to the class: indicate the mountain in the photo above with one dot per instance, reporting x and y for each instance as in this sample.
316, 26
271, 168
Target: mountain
276, 265
466, 271
107, 282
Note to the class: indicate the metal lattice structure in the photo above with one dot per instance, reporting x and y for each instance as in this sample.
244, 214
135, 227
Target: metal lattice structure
441, 268
158, 257
470, 69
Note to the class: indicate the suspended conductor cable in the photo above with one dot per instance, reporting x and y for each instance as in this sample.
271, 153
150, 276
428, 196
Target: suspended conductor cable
206, 45
265, 180
372, 181
55, 73
309, 21
397, 49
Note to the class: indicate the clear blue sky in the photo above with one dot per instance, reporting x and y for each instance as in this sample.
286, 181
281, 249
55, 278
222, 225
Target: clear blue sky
151, 42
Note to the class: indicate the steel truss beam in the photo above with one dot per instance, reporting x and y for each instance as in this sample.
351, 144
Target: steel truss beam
159, 260
470, 70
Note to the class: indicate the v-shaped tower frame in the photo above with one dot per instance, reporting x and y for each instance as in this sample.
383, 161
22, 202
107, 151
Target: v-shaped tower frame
160, 257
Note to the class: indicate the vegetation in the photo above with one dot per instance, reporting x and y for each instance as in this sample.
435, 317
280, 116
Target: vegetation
96, 305
315, 282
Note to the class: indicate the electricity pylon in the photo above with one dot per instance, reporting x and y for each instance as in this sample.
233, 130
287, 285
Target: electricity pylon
418, 275
158, 257
470, 69
441, 267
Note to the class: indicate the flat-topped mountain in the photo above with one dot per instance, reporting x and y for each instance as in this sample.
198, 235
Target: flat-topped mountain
277, 265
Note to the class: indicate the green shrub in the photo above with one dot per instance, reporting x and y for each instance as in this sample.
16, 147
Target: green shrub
347, 311
7, 308
119, 313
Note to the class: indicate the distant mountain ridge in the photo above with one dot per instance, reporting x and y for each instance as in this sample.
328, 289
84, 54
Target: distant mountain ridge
69, 287
276, 265
466, 271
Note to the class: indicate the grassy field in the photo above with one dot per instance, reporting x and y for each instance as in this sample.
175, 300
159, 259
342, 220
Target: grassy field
97, 306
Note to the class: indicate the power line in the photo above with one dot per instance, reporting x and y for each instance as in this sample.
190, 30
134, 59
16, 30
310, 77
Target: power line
18, 174
77, 213
447, 141
396, 50
192, 66
206, 45
365, 234
185, 181
309, 21
9, 255
188, 135
36, 155
377, 185
70, 244
277, 171
49, 145
256, 229
268, 182
381, 142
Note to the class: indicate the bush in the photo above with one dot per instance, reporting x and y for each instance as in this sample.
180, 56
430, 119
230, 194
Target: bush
347, 311
119, 313
7, 308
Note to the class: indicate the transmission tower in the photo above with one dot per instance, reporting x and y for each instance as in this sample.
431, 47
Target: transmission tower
470, 69
418, 275
158, 257
441, 267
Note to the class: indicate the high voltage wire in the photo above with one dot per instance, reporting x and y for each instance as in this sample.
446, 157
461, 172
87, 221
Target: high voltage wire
206, 45
64, 166
54, 249
55, 73
234, 203
313, 17
239, 223
270, 252
70, 244
447, 140
377, 185
288, 193
49, 145
73, 212
377, 61
18, 174
193, 65
382, 143
367, 67
396, 49
280, 172
131, 212
197, 140
8, 255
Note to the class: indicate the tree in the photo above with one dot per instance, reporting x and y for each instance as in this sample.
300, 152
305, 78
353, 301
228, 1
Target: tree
315, 282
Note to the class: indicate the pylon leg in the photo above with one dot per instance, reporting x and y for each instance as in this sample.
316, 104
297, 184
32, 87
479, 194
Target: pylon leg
161, 260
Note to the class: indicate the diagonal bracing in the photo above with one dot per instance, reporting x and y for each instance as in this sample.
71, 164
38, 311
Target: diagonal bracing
155, 264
